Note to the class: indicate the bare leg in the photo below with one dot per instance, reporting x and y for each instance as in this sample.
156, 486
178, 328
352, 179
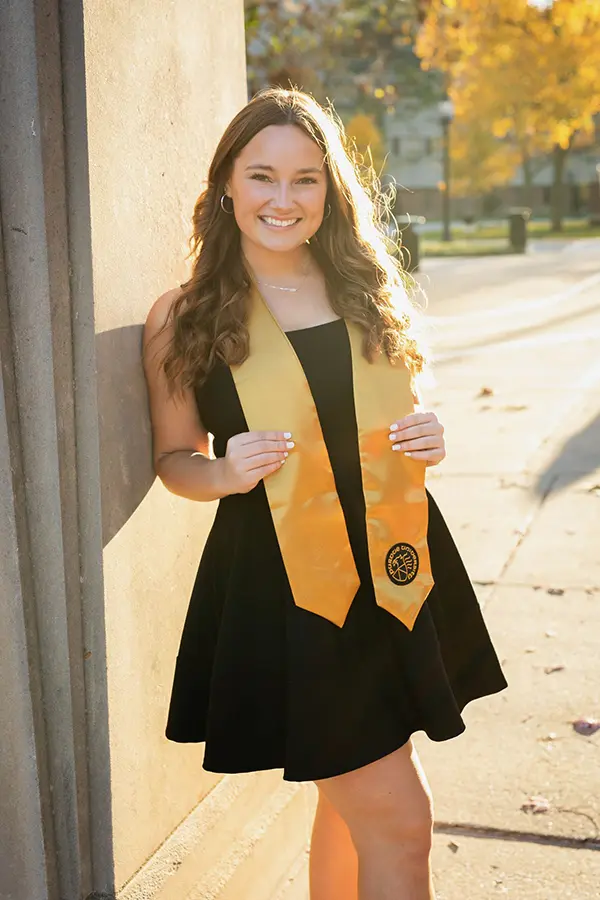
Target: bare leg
333, 863
388, 808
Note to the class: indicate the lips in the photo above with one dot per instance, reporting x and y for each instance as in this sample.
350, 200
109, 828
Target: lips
279, 227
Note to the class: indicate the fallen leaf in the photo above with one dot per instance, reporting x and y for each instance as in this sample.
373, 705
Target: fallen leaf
453, 846
595, 489
536, 805
550, 669
530, 649
586, 726
557, 591
485, 392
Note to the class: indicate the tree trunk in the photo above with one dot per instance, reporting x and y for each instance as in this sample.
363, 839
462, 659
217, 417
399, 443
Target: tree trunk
559, 157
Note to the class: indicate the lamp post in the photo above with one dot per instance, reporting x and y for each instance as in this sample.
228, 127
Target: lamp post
594, 202
446, 110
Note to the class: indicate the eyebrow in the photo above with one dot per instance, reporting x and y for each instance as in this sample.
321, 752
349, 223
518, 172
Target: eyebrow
271, 169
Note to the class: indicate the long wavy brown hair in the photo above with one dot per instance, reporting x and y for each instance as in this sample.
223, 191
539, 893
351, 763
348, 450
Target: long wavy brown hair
365, 282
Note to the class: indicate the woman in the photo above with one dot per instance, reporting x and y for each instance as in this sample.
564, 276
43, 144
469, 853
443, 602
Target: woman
331, 616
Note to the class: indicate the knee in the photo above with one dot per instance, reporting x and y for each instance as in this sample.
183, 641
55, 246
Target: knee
406, 827
412, 832
411, 842
387, 806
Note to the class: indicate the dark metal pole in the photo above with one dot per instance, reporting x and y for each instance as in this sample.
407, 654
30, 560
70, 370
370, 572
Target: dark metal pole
446, 197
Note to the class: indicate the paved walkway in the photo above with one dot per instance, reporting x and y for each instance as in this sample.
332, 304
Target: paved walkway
517, 796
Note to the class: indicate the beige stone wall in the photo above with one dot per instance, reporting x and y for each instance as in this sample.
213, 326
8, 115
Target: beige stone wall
163, 82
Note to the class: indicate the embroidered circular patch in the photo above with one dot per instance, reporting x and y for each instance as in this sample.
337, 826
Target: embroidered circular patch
402, 563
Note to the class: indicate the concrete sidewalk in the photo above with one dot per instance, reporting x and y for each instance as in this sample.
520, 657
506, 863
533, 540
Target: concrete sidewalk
517, 795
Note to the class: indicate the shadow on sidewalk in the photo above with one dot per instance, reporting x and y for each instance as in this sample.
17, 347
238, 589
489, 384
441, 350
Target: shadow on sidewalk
578, 456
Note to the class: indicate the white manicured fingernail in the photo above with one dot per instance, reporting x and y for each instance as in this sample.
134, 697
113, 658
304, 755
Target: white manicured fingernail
393, 428
407, 453
287, 434
290, 444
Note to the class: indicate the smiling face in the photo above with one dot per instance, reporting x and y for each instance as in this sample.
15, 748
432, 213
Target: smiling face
278, 187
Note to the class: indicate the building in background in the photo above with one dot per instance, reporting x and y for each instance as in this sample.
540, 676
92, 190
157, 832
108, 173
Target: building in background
414, 141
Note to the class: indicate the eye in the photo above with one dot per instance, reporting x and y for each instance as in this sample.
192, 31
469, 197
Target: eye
260, 175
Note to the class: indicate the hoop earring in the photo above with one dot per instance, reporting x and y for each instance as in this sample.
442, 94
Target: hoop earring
228, 211
328, 211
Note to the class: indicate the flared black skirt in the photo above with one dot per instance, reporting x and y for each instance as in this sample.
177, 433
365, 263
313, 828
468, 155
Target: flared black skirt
266, 684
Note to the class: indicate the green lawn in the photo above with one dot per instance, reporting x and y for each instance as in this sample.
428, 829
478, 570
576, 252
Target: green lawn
572, 228
465, 247
488, 240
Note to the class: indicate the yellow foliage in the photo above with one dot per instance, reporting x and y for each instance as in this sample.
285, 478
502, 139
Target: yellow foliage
528, 72
479, 161
368, 139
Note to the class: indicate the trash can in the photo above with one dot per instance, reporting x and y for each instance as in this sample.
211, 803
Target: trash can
409, 253
517, 228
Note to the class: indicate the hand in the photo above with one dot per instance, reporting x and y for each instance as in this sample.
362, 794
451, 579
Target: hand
253, 455
420, 436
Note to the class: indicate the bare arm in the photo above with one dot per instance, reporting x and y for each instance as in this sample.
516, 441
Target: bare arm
180, 441
177, 432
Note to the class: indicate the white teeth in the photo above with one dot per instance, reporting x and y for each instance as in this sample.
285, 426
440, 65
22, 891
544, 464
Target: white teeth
278, 222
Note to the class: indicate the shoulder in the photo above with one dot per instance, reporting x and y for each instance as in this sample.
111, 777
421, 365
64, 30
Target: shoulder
160, 310
158, 329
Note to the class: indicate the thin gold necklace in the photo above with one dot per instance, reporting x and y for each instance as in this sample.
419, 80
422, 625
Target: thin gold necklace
280, 288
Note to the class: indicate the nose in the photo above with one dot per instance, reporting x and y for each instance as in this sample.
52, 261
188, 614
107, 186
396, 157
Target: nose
282, 200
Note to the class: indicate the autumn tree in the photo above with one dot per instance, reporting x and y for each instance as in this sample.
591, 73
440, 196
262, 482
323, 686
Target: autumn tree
529, 72
376, 41
357, 50
284, 44
367, 138
480, 162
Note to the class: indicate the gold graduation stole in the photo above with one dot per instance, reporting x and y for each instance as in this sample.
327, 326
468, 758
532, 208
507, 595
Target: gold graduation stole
302, 496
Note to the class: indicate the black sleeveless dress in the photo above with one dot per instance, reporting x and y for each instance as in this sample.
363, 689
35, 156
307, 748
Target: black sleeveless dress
267, 684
